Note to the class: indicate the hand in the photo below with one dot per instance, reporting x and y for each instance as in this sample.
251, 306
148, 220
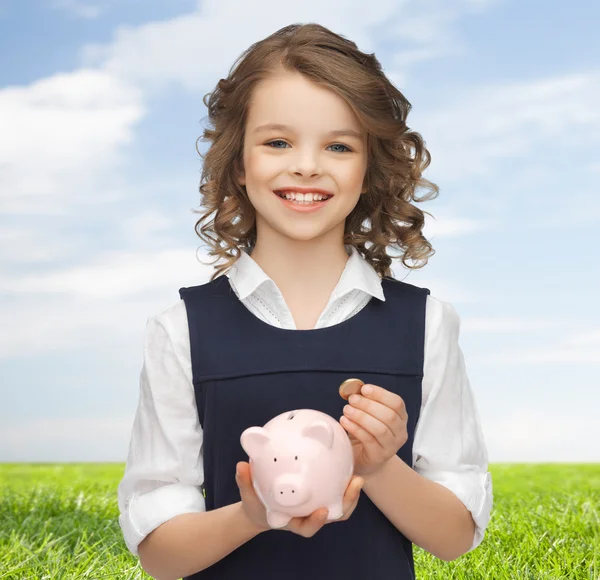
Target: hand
376, 421
307, 526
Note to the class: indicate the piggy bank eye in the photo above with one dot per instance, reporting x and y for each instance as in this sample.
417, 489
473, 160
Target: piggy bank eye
274, 458
296, 457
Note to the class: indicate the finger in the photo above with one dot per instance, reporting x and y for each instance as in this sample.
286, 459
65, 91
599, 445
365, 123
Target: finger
358, 485
369, 441
352, 438
387, 417
240, 471
353, 492
351, 497
243, 477
309, 525
387, 398
350, 386
354, 503
375, 431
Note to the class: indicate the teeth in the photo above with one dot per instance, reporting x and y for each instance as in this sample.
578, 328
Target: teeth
306, 197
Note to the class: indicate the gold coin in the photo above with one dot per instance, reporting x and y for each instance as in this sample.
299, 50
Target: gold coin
350, 387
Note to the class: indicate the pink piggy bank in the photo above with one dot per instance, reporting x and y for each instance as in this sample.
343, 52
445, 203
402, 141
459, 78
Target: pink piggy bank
300, 461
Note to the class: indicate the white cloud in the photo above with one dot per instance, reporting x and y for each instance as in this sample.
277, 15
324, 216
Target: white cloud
510, 324
581, 210
66, 439
150, 225
25, 245
445, 226
80, 9
57, 324
578, 347
158, 53
542, 435
111, 275
479, 127
63, 137
104, 300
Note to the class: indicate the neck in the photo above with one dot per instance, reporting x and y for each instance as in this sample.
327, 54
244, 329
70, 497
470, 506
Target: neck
308, 269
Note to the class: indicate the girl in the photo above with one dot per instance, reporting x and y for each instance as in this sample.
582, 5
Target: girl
311, 177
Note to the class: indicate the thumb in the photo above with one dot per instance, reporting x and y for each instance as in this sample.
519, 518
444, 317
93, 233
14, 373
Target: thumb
241, 472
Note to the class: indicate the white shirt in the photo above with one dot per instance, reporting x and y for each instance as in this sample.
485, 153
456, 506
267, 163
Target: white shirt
164, 467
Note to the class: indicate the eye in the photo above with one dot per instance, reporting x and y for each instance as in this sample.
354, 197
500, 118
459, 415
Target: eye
334, 145
276, 141
340, 145
296, 457
274, 458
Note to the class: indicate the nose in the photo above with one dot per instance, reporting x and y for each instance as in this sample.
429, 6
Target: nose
288, 491
307, 165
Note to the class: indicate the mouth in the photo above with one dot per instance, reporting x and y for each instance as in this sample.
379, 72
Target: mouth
324, 197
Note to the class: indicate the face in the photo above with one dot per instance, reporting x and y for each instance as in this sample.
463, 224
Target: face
304, 154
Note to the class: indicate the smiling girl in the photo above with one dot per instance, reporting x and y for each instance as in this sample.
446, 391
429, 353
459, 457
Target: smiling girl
309, 180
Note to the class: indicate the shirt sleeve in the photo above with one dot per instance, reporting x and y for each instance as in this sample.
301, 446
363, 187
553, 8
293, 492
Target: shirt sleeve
449, 446
164, 468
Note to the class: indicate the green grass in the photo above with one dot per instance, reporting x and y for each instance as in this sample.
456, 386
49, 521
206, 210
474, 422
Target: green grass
61, 521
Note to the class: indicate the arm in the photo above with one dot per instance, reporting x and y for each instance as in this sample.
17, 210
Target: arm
189, 543
427, 513
160, 491
444, 504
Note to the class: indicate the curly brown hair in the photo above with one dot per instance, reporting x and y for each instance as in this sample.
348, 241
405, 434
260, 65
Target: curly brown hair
384, 216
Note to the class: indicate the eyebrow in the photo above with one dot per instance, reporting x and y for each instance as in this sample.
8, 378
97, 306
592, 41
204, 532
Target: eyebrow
334, 133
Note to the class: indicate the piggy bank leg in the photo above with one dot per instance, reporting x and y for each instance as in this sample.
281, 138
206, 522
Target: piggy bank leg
277, 520
336, 511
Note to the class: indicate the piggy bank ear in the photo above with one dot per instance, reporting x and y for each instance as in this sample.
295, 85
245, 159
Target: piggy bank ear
319, 431
253, 440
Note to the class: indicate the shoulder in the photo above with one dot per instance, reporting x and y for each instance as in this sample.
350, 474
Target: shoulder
438, 311
205, 288
173, 318
441, 317
435, 304
403, 287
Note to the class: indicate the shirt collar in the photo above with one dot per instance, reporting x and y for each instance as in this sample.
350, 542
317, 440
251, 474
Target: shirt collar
246, 276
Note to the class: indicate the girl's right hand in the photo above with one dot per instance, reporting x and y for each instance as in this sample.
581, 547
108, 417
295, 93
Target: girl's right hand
307, 526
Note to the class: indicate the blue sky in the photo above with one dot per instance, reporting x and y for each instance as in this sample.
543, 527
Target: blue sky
100, 108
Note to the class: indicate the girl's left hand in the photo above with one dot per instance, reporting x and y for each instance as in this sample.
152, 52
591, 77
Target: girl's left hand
376, 421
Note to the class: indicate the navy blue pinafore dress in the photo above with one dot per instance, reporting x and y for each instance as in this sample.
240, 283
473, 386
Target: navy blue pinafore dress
246, 371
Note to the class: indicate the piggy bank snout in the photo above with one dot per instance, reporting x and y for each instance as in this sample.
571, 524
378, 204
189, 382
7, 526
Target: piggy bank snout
290, 490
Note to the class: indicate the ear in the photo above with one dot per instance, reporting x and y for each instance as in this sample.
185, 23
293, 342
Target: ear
241, 174
253, 440
321, 432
